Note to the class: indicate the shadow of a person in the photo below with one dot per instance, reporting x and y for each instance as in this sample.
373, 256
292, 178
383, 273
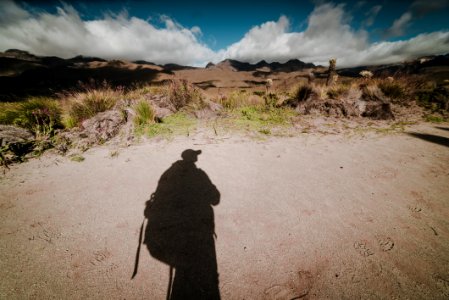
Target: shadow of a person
180, 229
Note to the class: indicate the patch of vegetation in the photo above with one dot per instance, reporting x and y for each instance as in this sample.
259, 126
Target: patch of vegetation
144, 114
259, 93
177, 124
77, 158
271, 99
433, 118
435, 98
40, 115
86, 104
265, 131
393, 89
262, 119
301, 92
113, 154
182, 94
235, 99
337, 91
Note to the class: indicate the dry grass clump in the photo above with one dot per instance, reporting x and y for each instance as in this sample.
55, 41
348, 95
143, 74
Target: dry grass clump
338, 90
372, 92
182, 94
302, 92
395, 90
87, 103
241, 98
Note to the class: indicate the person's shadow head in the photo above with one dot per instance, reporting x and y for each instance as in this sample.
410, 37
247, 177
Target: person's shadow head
190, 155
180, 229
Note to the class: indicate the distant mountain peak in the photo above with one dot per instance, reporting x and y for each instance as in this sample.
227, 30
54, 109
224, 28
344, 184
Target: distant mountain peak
289, 66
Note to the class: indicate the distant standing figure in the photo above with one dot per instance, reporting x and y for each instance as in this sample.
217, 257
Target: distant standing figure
332, 75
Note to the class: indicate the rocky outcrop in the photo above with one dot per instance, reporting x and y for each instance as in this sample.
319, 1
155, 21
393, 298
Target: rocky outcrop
15, 143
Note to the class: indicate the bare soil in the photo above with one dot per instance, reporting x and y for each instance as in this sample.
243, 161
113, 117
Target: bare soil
313, 216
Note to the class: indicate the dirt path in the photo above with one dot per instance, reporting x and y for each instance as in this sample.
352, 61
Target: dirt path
305, 217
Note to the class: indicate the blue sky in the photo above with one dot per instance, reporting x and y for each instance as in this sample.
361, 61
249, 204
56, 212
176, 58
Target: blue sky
230, 29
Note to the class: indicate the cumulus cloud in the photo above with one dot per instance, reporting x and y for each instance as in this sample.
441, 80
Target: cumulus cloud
65, 34
328, 34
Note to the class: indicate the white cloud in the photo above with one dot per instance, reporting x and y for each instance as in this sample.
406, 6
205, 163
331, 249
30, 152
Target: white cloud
65, 34
328, 34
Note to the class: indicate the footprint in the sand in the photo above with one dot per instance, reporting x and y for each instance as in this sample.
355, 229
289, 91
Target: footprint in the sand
297, 289
99, 257
280, 292
385, 243
44, 232
363, 249
414, 208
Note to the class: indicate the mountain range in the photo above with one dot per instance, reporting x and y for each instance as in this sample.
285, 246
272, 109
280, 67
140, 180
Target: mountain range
23, 73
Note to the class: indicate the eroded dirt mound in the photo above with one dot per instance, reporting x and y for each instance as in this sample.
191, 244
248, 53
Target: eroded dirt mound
366, 101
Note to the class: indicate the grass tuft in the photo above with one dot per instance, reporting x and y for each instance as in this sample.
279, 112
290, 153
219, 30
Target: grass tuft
89, 102
144, 113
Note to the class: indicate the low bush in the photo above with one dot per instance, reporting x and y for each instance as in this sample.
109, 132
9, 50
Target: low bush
434, 98
182, 94
393, 89
337, 91
301, 92
40, 115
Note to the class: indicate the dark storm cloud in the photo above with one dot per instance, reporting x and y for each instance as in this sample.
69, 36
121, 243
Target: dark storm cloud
417, 9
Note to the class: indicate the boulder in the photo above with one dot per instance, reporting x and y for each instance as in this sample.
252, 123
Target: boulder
161, 105
11, 134
15, 143
103, 126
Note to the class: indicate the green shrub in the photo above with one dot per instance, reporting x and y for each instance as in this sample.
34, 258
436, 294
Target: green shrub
144, 113
41, 115
271, 99
433, 98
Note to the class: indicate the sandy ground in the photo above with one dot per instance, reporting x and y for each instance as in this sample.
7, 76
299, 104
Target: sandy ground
313, 216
